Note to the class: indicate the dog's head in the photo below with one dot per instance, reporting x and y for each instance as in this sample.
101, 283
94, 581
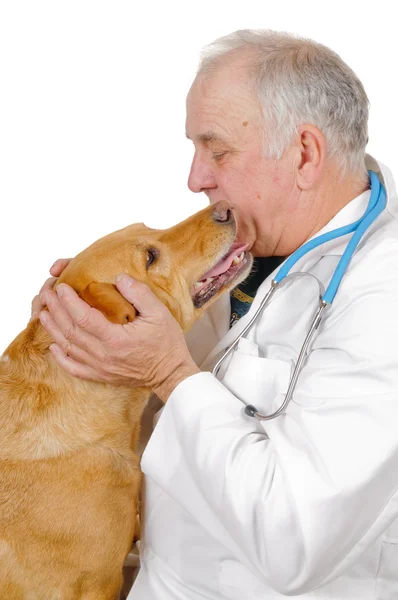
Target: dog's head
187, 266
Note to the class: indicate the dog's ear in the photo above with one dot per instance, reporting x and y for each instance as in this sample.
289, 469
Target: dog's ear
106, 298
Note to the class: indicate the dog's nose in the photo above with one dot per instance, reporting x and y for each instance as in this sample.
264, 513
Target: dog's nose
221, 213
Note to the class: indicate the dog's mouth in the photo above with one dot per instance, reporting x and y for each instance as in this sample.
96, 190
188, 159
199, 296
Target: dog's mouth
224, 272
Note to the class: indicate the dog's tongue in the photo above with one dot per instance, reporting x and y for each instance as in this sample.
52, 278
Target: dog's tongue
226, 262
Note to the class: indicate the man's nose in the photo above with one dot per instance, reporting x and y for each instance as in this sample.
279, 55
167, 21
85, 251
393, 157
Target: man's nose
201, 177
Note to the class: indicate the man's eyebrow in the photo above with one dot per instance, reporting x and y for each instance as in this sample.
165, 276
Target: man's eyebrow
209, 136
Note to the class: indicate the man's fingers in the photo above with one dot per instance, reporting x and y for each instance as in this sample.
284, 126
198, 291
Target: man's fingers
56, 270
59, 266
71, 366
77, 353
37, 304
88, 320
48, 284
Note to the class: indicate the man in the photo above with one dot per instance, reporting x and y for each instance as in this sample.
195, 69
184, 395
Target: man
305, 504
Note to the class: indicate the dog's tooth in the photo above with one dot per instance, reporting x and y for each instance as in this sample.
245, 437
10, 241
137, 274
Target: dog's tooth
238, 259
199, 284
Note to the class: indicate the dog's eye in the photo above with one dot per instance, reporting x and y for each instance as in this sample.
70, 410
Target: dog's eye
151, 256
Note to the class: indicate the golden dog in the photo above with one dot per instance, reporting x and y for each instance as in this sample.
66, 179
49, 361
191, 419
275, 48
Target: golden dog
69, 474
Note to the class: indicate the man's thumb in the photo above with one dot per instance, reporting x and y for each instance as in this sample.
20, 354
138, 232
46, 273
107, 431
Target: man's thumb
138, 294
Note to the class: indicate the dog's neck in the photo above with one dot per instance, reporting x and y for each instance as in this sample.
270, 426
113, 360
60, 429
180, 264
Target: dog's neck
47, 413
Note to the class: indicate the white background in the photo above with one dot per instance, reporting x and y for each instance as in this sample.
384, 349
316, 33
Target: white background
92, 112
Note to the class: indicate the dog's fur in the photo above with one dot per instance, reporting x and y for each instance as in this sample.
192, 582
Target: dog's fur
69, 474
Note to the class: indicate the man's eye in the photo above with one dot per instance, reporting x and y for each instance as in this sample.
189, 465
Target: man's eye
218, 155
151, 256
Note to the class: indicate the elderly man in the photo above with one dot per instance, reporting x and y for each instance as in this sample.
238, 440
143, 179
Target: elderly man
305, 504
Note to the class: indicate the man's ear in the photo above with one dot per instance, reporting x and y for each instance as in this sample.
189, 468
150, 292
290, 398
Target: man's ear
106, 298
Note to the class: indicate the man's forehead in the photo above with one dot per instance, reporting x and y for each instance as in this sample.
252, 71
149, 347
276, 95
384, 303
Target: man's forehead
222, 103
214, 121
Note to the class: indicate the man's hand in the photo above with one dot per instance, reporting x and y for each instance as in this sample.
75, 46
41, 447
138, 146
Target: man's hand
150, 351
55, 271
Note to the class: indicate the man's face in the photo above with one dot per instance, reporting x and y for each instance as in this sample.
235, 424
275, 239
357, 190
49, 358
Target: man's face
224, 123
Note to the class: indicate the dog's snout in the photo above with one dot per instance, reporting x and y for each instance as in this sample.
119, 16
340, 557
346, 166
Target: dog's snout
221, 213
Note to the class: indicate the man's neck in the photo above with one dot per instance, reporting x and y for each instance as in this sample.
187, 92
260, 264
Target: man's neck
325, 201
332, 202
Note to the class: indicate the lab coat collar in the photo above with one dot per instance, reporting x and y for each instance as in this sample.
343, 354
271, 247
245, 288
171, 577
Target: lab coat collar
219, 312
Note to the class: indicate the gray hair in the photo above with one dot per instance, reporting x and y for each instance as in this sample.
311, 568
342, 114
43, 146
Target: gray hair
297, 81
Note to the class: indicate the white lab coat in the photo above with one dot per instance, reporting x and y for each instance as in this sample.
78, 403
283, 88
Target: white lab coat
306, 504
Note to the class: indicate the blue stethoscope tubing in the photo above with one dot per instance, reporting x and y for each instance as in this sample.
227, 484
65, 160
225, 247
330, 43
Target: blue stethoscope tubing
377, 203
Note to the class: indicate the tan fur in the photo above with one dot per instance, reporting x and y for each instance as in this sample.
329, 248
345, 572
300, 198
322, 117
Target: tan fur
69, 472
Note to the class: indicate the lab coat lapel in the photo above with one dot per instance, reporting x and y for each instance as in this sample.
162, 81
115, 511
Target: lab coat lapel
231, 334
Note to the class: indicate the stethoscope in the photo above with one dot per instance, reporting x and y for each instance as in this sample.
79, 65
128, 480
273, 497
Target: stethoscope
376, 205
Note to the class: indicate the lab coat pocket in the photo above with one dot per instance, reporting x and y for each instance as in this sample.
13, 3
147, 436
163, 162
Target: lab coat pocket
255, 380
387, 582
236, 582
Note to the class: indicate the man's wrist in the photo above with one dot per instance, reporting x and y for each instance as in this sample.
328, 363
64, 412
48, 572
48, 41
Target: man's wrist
183, 371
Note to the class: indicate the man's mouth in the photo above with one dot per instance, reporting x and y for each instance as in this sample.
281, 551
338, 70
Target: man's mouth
223, 273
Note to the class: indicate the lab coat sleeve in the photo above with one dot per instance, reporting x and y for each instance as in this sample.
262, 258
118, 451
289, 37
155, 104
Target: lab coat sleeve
299, 498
